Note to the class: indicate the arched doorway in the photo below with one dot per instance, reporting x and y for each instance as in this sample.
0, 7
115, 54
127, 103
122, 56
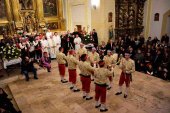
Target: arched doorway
166, 23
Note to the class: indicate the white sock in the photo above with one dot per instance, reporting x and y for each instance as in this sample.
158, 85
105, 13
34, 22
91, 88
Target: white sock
87, 95
103, 106
84, 93
62, 78
126, 91
120, 89
74, 87
110, 84
71, 85
97, 103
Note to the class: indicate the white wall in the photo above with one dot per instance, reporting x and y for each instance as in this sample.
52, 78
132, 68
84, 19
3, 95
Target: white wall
168, 26
78, 13
100, 19
161, 7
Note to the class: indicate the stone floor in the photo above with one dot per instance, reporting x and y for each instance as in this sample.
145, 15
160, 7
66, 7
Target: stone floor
47, 95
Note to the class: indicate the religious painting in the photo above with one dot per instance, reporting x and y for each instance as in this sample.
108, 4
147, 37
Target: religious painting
52, 26
3, 9
110, 14
26, 4
156, 18
50, 8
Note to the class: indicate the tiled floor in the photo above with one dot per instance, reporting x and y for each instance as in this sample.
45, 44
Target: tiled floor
47, 95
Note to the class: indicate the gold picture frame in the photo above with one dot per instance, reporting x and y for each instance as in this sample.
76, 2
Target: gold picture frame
50, 8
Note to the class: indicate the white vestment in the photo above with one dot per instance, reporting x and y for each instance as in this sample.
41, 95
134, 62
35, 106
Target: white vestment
51, 48
48, 35
45, 46
57, 42
77, 42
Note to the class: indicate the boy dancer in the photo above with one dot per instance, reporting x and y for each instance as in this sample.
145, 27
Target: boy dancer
127, 66
72, 65
61, 64
101, 75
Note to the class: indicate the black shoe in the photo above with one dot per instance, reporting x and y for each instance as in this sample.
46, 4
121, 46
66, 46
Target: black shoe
125, 96
64, 81
98, 106
103, 110
89, 98
71, 87
108, 88
27, 79
118, 93
76, 90
49, 71
36, 78
19, 112
84, 97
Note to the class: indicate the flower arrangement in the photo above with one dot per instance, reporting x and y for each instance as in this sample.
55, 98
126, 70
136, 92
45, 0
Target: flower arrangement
9, 52
87, 39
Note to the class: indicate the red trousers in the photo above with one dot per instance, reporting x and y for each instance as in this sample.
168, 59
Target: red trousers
72, 75
100, 93
62, 69
85, 83
124, 78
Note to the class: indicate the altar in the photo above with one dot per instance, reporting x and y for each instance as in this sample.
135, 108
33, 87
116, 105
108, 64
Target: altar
31, 15
7, 63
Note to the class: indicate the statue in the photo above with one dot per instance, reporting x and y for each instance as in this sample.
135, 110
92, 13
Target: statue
26, 4
30, 23
111, 32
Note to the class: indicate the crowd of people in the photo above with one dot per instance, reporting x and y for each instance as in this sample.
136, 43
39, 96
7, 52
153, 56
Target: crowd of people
96, 62
151, 56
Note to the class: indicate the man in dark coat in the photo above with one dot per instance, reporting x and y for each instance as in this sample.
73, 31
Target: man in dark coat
157, 61
95, 37
110, 45
27, 66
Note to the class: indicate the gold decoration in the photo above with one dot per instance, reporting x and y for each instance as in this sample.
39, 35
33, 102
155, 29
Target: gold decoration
31, 13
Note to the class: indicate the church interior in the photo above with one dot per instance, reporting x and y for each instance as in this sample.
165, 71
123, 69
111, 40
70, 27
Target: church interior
84, 56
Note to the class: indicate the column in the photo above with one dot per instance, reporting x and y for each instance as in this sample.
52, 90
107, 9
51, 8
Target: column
40, 13
15, 10
60, 8
8, 10
148, 19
